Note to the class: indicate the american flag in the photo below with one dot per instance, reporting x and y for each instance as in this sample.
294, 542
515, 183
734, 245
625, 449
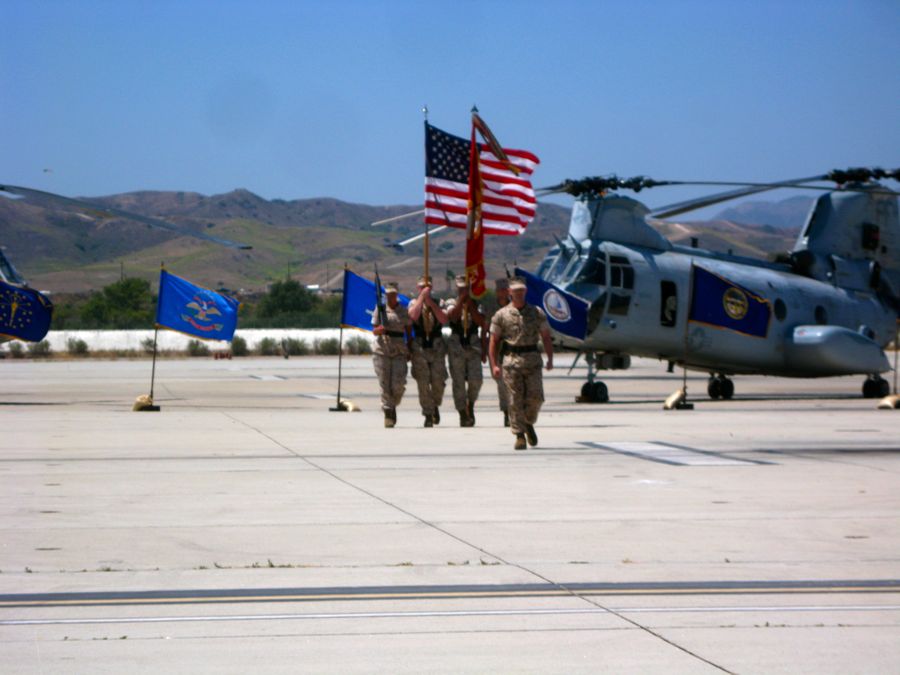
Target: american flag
508, 202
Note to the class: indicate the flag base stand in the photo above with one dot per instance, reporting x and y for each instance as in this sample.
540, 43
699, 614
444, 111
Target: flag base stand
889, 403
144, 403
678, 401
345, 406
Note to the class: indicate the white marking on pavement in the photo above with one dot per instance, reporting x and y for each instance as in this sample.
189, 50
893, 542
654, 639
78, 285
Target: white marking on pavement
480, 612
670, 454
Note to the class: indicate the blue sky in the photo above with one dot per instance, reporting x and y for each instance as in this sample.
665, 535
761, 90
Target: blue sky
306, 99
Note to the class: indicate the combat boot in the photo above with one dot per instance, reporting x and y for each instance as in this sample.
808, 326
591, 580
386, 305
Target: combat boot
471, 410
532, 436
390, 418
520, 442
436, 418
429, 420
463, 419
505, 418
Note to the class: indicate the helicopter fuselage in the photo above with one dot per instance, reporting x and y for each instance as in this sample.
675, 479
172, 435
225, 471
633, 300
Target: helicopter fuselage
639, 287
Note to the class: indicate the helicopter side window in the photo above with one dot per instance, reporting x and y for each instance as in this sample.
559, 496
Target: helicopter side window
780, 309
621, 273
668, 310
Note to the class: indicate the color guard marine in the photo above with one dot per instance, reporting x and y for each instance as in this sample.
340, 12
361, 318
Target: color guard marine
391, 352
468, 331
519, 327
429, 351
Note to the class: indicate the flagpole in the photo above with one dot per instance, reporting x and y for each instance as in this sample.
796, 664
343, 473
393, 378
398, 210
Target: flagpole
427, 238
145, 403
153, 369
338, 406
678, 400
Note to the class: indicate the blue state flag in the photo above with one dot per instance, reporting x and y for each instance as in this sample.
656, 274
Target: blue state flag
197, 311
358, 304
716, 301
24, 313
566, 313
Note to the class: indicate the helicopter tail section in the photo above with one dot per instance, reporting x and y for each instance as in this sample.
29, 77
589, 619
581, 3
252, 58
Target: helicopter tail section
852, 240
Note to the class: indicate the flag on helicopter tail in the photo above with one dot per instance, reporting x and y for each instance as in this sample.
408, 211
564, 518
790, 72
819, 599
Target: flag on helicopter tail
197, 311
24, 313
566, 313
716, 301
358, 304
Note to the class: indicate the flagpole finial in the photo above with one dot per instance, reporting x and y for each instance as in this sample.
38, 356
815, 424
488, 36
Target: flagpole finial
425, 111
474, 108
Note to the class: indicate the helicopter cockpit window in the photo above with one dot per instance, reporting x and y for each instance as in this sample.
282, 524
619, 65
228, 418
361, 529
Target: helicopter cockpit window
544, 266
559, 266
621, 273
593, 272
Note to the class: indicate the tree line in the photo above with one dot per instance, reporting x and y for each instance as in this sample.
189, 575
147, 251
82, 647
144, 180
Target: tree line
131, 304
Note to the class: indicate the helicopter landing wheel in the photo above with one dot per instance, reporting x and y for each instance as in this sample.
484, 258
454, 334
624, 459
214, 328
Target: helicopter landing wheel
594, 392
720, 386
875, 387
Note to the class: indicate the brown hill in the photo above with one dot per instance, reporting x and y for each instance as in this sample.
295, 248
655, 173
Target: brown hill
66, 250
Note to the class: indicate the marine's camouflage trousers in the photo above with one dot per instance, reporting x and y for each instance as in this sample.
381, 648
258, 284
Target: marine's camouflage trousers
502, 394
526, 391
429, 369
391, 372
465, 371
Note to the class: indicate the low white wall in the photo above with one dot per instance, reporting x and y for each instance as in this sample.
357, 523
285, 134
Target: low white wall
100, 340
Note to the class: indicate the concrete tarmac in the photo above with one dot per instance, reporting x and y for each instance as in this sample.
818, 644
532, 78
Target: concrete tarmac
247, 528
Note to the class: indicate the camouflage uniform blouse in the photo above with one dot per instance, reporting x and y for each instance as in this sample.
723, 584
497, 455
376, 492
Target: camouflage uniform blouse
519, 328
397, 321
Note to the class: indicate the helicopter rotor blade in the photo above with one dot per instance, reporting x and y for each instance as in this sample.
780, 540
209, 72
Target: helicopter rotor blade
48, 198
846, 181
400, 217
400, 244
746, 189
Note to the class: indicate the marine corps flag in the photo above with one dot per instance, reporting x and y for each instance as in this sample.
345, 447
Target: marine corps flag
718, 302
24, 313
194, 310
480, 187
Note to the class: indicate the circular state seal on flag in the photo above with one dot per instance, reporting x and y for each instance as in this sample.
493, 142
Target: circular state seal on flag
735, 303
557, 306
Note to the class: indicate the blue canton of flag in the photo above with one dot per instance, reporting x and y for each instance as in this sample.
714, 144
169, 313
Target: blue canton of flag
190, 309
24, 313
358, 304
566, 313
718, 302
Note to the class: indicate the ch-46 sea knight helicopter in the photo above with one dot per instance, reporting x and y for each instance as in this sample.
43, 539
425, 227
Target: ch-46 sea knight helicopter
830, 305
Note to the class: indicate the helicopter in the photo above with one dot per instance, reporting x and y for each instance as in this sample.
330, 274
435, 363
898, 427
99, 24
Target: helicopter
828, 307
